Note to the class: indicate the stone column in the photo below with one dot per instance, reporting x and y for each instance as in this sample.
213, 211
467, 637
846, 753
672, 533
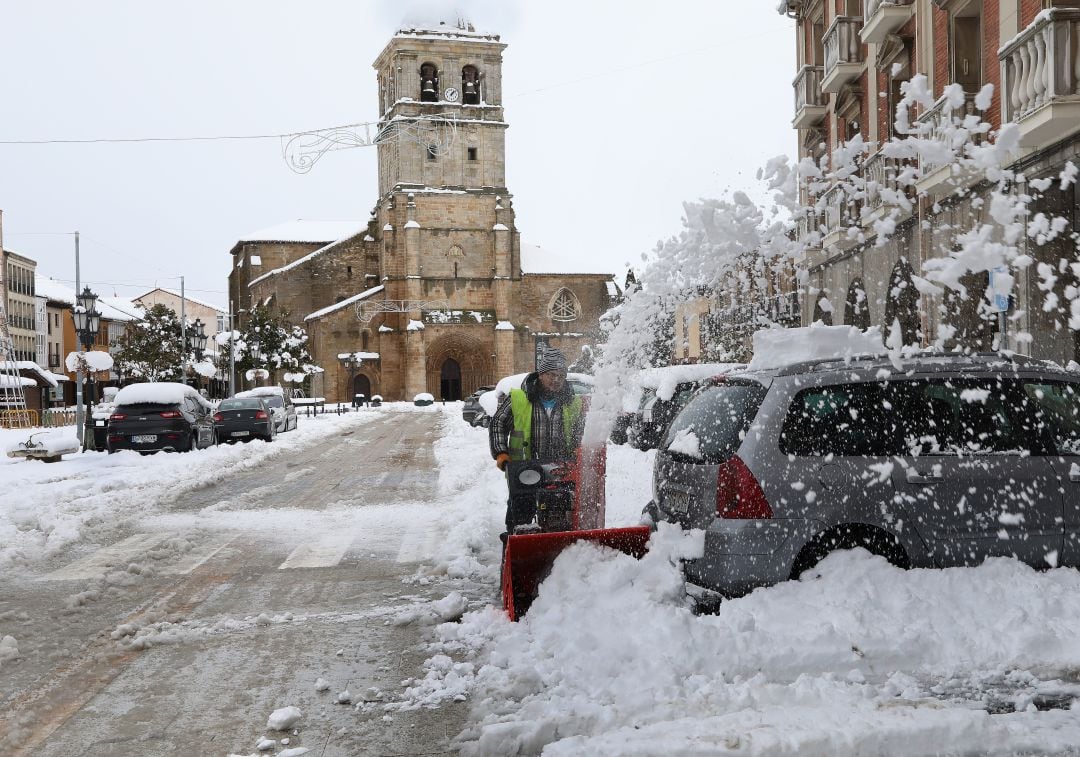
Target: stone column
415, 364
504, 353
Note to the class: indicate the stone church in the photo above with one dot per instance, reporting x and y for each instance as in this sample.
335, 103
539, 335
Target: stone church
437, 291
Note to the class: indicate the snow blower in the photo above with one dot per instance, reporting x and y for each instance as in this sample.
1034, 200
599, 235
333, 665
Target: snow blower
569, 508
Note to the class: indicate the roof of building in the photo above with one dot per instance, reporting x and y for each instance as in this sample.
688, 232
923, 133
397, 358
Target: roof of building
344, 303
111, 308
186, 296
536, 259
303, 231
300, 261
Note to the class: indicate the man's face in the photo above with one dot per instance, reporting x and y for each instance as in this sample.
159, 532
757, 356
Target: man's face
552, 381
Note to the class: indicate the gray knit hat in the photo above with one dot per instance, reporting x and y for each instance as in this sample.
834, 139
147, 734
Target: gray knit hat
552, 360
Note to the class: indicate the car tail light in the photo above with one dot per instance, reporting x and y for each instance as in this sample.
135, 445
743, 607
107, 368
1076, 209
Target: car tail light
171, 414
219, 417
115, 438
261, 415
117, 417
172, 436
738, 494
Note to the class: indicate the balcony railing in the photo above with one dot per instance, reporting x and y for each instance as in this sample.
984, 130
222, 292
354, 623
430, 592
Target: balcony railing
942, 123
843, 52
1040, 71
842, 211
810, 102
882, 176
883, 17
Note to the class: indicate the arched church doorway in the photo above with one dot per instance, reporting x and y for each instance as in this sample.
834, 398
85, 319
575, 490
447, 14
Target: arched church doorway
361, 385
450, 380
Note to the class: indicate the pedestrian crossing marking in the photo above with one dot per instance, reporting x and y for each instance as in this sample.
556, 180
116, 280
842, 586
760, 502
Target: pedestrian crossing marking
325, 552
418, 546
114, 556
197, 556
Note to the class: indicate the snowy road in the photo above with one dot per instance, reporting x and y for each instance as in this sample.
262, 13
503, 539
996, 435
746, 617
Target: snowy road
186, 626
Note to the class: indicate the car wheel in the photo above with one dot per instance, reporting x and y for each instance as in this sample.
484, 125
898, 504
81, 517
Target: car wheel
873, 540
194, 445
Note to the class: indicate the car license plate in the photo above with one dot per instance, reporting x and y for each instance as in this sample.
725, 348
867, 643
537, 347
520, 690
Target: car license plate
144, 438
677, 502
241, 433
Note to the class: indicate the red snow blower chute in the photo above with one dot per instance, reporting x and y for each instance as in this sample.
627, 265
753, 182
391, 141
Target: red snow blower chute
570, 508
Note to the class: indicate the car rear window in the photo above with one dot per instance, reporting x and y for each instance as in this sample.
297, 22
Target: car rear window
718, 418
274, 401
242, 404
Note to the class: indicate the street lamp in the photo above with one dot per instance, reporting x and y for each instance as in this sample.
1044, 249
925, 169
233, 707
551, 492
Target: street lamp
351, 363
87, 321
198, 338
255, 353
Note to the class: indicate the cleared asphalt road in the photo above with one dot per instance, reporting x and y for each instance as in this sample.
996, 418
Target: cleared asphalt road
183, 639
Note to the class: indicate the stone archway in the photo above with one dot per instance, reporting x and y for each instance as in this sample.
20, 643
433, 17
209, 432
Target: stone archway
464, 360
450, 380
361, 385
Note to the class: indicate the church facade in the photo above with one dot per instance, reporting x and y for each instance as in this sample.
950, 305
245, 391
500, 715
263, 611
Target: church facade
437, 292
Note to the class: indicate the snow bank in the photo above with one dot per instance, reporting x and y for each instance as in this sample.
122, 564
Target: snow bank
159, 393
775, 348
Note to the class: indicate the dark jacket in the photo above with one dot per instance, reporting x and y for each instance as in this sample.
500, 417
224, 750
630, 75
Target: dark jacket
548, 440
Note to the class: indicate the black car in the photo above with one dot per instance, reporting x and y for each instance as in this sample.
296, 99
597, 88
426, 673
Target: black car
160, 417
646, 430
472, 410
243, 419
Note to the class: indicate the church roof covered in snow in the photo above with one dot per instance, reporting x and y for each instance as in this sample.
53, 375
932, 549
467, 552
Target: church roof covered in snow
315, 232
537, 260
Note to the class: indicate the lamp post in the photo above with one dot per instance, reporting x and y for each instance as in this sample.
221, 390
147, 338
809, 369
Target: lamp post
87, 320
255, 352
196, 341
351, 363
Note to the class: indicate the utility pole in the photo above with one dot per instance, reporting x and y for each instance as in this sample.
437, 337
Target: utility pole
78, 373
232, 353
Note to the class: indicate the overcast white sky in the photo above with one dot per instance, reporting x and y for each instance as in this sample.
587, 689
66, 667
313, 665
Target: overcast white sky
618, 112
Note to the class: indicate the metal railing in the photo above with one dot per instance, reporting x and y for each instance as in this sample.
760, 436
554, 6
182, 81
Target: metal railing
882, 176
841, 210
842, 42
1041, 64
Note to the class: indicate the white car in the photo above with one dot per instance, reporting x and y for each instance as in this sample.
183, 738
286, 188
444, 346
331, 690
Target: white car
277, 399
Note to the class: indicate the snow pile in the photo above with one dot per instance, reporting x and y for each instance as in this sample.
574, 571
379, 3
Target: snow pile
159, 393
94, 360
775, 348
54, 443
424, 397
859, 657
9, 649
284, 718
664, 380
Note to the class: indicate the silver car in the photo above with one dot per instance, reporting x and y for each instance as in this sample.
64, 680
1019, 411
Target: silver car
946, 462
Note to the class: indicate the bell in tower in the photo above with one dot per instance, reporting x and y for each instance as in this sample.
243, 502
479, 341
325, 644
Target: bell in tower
470, 85
429, 83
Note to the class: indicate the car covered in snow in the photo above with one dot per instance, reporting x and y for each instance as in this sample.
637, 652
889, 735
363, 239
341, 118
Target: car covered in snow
279, 402
661, 393
161, 416
471, 409
927, 460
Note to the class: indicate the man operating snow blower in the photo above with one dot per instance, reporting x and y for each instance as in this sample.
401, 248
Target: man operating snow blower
542, 420
556, 486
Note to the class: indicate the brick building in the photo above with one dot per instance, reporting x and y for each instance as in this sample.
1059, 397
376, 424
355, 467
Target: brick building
437, 286
853, 56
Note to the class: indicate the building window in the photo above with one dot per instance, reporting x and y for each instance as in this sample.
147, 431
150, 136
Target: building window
471, 153
470, 85
348, 271
564, 307
429, 83
966, 29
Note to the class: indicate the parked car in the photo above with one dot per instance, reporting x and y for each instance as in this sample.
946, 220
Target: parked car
471, 407
662, 394
243, 419
277, 399
160, 416
944, 463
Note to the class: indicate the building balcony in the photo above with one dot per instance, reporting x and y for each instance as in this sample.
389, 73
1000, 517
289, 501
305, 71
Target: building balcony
810, 101
1040, 71
883, 17
883, 187
843, 214
843, 53
943, 123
